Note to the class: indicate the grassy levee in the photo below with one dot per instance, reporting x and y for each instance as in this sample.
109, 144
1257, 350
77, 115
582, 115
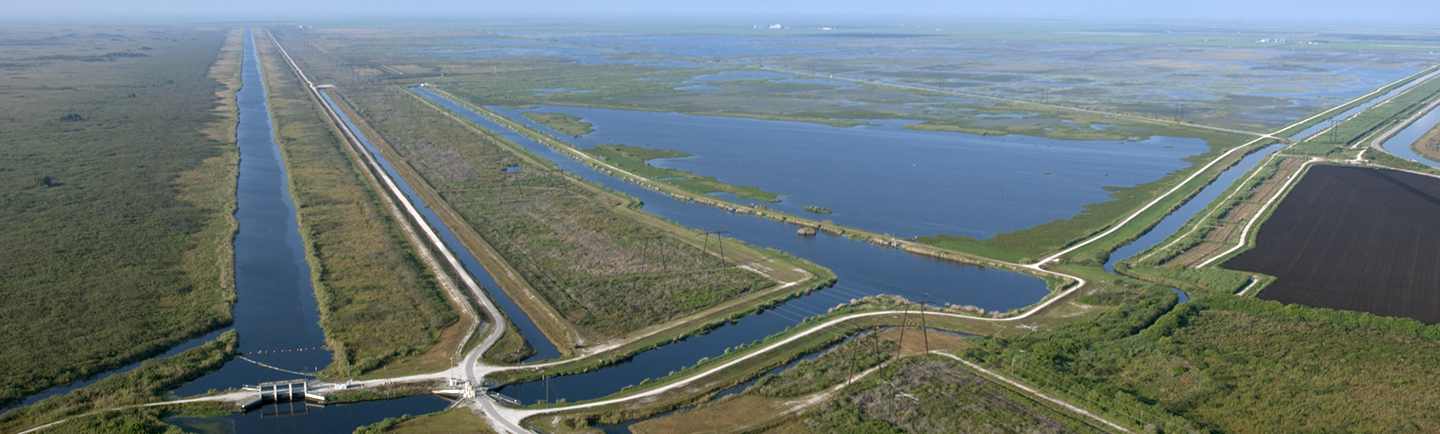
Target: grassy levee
453, 421
1428, 145
117, 180
1370, 123
379, 304
703, 388
145, 384
535, 214
1097, 253
1027, 245
1297, 128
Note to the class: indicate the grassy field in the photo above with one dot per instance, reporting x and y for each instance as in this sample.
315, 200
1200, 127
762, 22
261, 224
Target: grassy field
378, 303
454, 421
117, 178
145, 384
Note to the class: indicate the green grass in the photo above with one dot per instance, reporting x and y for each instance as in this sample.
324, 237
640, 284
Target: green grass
145, 384
569, 125
115, 229
378, 302
454, 421
1234, 364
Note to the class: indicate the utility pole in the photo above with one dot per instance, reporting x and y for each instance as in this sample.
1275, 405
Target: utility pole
923, 327
904, 315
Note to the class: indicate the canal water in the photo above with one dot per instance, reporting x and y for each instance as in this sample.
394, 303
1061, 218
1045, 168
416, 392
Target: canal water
1352, 111
299, 417
276, 312
886, 178
544, 349
863, 269
1173, 222
1399, 144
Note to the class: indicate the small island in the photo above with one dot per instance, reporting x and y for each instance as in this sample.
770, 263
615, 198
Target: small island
806, 232
818, 210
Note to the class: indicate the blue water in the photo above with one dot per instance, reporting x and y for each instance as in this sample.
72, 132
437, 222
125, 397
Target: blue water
888, 179
1399, 144
1172, 223
300, 418
544, 349
276, 307
1352, 111
862, 268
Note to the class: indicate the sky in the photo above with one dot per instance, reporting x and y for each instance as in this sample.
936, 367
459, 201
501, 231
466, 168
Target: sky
1330, 11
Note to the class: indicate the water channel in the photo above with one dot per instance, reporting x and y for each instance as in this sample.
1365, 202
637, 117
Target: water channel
276, 308
862, 268
1172, 223
1399, 144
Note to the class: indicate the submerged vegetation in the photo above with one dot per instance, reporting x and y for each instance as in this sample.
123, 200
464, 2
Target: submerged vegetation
634, 159
818, 210
569, 125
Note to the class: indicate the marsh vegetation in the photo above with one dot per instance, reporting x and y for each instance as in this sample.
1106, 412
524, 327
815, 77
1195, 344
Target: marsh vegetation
117, 180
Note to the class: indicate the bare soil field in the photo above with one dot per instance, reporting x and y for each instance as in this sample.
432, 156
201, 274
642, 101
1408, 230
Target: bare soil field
1196, 254
1241, 212
1223, 233
1263, 191
1357, 239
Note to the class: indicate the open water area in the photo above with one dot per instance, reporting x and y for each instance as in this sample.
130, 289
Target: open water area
862, 269
889, 179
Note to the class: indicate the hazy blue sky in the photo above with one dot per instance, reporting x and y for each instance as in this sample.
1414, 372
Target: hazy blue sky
1410, 11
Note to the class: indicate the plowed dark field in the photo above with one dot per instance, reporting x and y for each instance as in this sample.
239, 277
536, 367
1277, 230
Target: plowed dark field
1357, 239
